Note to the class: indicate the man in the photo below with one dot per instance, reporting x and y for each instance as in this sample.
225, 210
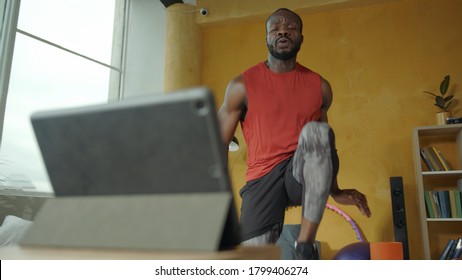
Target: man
291, 156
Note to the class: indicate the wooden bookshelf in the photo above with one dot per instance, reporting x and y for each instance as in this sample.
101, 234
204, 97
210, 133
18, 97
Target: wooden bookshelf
447, 138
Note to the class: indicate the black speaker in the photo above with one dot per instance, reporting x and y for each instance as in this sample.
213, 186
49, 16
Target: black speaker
399, 214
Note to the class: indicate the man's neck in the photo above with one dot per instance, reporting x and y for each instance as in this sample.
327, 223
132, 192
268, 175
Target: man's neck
280, 66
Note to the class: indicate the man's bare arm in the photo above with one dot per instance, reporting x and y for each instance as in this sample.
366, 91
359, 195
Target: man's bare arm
326, 92
232, 109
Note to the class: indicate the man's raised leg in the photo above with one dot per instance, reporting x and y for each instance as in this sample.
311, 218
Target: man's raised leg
313, 169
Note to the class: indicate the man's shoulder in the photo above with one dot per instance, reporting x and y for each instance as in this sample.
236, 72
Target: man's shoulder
303, 68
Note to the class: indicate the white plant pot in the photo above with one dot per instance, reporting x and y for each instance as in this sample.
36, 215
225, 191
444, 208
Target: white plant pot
441, 117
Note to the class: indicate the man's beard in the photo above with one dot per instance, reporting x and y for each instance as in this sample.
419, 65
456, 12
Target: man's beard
284, 55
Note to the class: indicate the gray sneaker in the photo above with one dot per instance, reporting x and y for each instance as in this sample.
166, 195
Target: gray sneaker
306, 251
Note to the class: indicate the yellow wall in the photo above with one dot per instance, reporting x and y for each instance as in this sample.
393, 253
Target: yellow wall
378, 59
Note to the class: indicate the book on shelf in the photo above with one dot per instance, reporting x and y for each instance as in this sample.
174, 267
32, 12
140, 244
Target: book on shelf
442, 159
452, 250
443, 197
437, 204
443, 203
430, 205
426, 161
458, 249
434, 158
452, 202
458, 199
432, 165
447, 248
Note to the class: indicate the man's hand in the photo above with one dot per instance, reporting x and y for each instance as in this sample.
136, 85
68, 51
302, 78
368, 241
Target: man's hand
352, 197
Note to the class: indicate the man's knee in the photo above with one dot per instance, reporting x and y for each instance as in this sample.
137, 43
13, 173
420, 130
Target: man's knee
316, 137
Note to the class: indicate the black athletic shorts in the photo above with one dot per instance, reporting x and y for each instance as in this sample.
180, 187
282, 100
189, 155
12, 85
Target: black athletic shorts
265, 200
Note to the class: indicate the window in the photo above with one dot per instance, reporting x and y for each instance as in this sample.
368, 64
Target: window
62, 58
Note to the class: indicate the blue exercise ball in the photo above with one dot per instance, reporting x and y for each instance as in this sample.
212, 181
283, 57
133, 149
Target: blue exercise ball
354, 251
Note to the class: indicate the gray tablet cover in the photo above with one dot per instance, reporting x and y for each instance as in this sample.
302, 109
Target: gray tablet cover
143, 173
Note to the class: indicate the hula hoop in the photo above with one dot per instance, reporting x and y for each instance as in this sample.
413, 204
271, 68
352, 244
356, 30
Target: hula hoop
344, 215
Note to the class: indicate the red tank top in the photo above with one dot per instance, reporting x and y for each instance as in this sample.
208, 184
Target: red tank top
278, 106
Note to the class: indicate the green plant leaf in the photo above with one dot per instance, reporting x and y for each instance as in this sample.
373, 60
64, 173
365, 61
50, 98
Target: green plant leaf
431, 93
440, 101
448, 98
444, 85
446, 107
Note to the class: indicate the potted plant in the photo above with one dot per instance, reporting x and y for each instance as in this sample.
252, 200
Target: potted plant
443, 101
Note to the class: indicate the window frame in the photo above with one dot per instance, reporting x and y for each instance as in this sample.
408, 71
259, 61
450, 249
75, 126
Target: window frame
10, 11
9, 21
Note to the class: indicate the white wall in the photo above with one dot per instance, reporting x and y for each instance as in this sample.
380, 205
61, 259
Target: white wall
145, 48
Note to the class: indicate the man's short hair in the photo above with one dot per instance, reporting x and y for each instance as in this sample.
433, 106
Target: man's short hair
290, 11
